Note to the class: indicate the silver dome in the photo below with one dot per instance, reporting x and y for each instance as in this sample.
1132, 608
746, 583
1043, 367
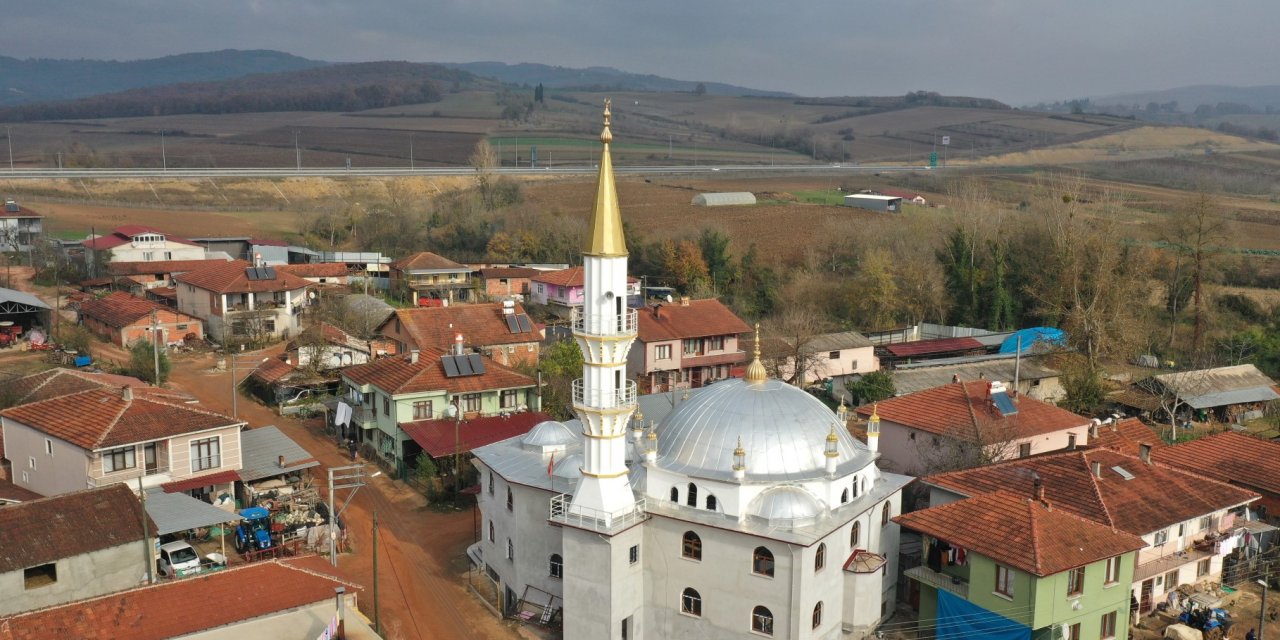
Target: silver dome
783, 431
570, 467
786, 506
549, 435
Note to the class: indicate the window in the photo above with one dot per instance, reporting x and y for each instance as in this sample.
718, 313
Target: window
40, 576
691, 546
48, 447
511, 550
1075, 582
693, 347
662, 352
691, 498
205, 454
714, 343
269, 325
471, 402
1004, 581
834, 355
168, 255
148, 256
1207, 523
491, 536
1073, 632
855, 535
844, 496
1024, 449
118, 459
817, 615
509, 399
557, 566
510, 500
820, 557
691, 602
422, 410
762, 621
762, 562
1171, 580
1182, 529
711, 503
491, 483
1109, 625
1071, 441
386, 405
633, 554
1161, 537
31, 462
675, 494
1202, 567
885, 513
1112, 574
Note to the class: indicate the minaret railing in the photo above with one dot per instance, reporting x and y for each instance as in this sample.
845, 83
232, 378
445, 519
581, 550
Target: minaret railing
605, 325
604, 398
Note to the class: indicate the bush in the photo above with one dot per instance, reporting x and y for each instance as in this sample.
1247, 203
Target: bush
872, 387
142, 363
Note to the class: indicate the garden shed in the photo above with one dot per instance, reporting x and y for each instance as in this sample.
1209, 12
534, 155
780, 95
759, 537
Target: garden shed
724, 199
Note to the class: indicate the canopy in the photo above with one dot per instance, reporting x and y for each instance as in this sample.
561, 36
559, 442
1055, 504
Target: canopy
1030, 337
173, 512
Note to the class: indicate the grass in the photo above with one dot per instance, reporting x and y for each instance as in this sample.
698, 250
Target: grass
820, 196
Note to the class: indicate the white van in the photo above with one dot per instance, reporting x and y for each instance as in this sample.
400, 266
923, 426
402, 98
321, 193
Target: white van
178, 559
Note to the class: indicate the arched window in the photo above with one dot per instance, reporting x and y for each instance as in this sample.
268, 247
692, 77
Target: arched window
762, 562
490, 483
762, 620
675, 494
691, 602
844, 496
855, 535
855, 486
510, 500
491, 536
557, 566
691, 547
884, 515
817, 615
692, 498
711, 502
820, 558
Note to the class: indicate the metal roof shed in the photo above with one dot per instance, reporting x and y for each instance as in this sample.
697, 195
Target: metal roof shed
174, 512
724, 199
263, 449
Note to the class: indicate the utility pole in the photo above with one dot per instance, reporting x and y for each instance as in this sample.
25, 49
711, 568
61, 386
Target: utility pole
147, 553
231, 357
155, 344
9, 138
411, 152
297, 151
352, 477
1262, 609
377, 624
164, 162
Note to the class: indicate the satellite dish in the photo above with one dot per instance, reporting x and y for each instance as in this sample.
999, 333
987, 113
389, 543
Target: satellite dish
669, 297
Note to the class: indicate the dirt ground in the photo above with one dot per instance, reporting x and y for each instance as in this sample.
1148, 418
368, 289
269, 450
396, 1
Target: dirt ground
1243, 607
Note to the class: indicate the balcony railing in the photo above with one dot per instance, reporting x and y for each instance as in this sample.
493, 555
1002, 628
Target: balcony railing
563, 512
604, 399
604, 324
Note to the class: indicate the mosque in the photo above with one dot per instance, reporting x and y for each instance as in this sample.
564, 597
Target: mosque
738, 510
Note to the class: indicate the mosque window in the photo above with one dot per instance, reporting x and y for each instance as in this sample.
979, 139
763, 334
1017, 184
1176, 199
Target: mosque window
691, 602
557, 566
692, 498
691, 547
884, 514
820, 558
675, 494
817, 615
762, 620
510, 500
711, 503
491, 536
855, 535
762, 562
844, 496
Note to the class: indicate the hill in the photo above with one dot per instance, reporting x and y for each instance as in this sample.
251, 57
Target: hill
598, 79
46, 80
1190, 97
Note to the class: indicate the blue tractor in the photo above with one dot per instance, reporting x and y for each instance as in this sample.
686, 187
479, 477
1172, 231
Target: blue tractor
254, 532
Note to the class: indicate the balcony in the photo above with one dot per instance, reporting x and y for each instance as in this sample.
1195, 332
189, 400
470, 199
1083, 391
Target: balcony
620, 400
1151, 567
712, 359
604, 325
563, 512
925, 575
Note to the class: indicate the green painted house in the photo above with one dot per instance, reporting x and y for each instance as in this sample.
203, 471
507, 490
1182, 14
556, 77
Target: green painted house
1007, 566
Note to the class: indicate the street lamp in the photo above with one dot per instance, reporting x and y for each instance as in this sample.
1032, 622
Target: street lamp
1262, 608
452, 411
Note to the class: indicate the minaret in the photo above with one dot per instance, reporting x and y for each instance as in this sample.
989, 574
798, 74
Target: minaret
873, 429
605, 328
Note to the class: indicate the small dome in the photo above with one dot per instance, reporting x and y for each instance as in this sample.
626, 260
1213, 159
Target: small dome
570, 467
786, 506
636, 477
549, 436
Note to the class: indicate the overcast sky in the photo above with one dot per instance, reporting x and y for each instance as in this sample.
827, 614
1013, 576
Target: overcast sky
1018, 51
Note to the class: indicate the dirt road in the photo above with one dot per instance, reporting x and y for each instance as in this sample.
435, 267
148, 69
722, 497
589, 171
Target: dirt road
421, 563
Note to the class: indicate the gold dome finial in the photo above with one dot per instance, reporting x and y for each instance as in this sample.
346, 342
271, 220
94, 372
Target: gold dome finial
755, 370
832, 449
831, 437
875, 412
605, 238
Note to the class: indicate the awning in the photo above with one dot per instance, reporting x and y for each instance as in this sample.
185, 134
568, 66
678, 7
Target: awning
173, 512
436, 437
221, 477
262, 451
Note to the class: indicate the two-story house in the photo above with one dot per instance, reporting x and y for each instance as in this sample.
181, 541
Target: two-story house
1187, 521
20, 227
332, 273
685, 345
429, 276
500, 330
828, 355
138, 243
389, 394
241, 302
145, 276
123, 319
507, 283
1004, 566
106, 435
563, 290
970, 422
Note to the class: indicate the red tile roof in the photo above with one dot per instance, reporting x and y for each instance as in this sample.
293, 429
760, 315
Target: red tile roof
316, 269
231, 277
61, 382
1125, 436
181, 607
701, 318
1232, 457
963, 409
102, 418
22, 212
427, 261
927, 347
436, 436
481, 325
1023, 533
398, 375
508, 272
124, 235
67, 525
1157, 496
10, 492
157, 266
119, 309
272, 369
210, 479
571, 277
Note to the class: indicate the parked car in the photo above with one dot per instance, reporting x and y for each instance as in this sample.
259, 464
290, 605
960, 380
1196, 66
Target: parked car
178, 559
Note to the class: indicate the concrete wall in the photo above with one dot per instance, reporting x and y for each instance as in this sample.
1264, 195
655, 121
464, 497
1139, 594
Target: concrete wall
847, 362
604, 588
79, 577
912, 451
174, 326
525, 525
64, 470
1054, 607
166, 250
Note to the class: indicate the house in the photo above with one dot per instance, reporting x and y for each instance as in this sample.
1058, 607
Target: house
319, 272
123, 319
74, 546
891, 355
148, 276
429, 276
1187, 521
294, 598
507, 283
828, 355
966, 423
998, 565
873, 202
563, 290
907, 196
1128, 436
107, 435
138, 243
387, 395
1223, 394
240, 302
323, 346
60, 382
498, 330
1027, 376
685, 345
20, 227
1242, 460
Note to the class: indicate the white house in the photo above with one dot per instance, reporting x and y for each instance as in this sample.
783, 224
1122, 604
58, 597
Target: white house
239, 301
138, 243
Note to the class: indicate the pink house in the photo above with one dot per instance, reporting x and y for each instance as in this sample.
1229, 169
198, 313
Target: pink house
564, 288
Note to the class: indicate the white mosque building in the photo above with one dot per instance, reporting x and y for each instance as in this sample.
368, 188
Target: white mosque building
746, 509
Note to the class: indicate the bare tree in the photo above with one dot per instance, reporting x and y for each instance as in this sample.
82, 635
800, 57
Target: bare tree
790, 353
484, 160
1169, 391
987, 442
1195, 231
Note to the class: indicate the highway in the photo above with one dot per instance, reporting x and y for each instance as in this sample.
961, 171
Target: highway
384, 172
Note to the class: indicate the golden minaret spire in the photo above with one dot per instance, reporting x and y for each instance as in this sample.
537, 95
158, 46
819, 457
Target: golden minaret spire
605, 237
755, 370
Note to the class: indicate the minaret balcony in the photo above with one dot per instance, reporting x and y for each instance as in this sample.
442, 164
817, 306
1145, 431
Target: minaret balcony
605, 400
608, 326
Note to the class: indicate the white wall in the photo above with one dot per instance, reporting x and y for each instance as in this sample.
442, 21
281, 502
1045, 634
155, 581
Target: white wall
79, 577
64, 470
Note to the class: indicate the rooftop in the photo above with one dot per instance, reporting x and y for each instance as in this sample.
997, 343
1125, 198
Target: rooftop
233, 277
427, 261
913, 378
71, 524
1125, 436
157, 266
400, 374
1232, 457
61, 382
571, 277
316, 269
119, 309
261, 450
480, 325
1207, 388
937, 345
696, 319
436, 437
1018, 531
964, 409
125, 234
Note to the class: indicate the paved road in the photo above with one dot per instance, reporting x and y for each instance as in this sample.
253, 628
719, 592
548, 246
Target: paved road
320, 172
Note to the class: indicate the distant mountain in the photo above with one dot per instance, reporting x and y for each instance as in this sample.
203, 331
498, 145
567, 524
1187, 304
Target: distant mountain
602, 78
1188, 98
46, 80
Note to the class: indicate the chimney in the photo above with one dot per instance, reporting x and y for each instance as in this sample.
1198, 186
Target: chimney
458, 341
657, 311
1093, 428
1097, 468
982, 375
126, 393
413, 356
955, 377
1037, 489
1144, 452
684, 301
280, 461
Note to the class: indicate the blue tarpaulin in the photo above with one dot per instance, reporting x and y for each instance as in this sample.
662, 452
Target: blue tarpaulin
1030, 337
960, 619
